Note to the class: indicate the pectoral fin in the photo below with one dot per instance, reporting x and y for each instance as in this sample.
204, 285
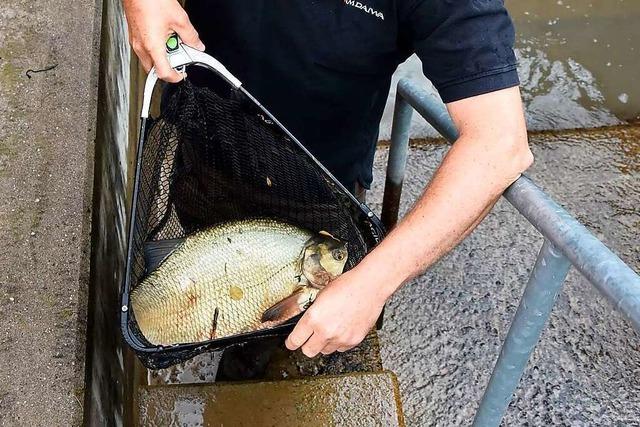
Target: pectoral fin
289, 307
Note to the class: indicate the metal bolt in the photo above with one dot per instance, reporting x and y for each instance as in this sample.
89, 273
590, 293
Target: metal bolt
370, 214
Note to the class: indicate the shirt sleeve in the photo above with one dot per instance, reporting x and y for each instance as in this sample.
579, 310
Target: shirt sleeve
466, 46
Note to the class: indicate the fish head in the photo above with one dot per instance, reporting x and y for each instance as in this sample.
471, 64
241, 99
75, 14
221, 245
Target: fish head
324, 258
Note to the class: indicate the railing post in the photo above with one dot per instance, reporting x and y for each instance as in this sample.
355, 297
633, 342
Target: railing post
397, 162
536, 304
429, 107
567, 242
604, 269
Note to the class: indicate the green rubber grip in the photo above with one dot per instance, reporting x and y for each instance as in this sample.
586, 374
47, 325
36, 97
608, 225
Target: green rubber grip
173, 43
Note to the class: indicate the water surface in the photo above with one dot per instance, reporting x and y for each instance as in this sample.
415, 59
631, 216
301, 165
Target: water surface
578, 64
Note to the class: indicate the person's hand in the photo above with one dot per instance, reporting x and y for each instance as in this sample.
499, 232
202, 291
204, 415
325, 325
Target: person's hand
341, 317
151, 22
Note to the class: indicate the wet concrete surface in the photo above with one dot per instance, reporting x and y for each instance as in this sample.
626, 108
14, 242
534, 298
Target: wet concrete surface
280, 364
349, 400
46, 156
443, 332
578, 62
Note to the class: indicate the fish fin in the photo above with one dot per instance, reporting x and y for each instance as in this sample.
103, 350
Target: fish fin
326, 233
156, 252
287, 308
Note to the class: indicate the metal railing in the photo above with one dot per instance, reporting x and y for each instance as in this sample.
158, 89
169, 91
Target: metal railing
567, 243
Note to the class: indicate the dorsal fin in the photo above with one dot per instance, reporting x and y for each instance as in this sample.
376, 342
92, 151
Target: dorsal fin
326, 233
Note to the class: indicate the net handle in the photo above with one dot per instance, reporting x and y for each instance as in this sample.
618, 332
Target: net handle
179, 57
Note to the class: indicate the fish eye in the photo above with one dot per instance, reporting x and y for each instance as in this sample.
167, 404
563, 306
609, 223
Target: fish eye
338, 255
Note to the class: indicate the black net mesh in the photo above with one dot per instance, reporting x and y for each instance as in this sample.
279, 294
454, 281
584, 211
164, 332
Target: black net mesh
210, 158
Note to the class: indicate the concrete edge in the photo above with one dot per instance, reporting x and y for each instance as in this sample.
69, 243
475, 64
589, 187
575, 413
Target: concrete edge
85, 241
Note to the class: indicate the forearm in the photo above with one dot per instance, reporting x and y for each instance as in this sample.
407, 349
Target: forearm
471, 178
489, 155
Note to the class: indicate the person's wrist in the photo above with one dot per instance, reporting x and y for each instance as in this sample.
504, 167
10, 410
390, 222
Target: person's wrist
378, 281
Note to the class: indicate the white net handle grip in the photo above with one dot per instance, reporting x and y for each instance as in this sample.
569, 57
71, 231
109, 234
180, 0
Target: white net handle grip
180, 57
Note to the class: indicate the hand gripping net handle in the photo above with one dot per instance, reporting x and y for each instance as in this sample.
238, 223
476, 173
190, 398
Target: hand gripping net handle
179, 57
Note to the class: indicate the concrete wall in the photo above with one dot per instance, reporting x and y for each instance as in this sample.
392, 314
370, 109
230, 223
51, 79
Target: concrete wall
110, 375
47, 126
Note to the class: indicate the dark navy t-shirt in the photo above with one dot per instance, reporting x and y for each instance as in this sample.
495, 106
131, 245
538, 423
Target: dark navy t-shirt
323, 67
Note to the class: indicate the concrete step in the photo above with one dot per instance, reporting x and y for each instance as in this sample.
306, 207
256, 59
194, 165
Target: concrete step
280, 364
358, 399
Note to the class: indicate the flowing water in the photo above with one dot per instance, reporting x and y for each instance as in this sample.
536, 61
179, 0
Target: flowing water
578, 64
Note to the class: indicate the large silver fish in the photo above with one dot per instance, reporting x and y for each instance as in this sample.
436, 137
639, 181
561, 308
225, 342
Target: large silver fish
235, 277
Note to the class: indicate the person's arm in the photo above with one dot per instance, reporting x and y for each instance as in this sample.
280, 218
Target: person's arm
490, 154
150, 23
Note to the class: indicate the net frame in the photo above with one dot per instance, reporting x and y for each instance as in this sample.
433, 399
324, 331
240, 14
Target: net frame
143, 214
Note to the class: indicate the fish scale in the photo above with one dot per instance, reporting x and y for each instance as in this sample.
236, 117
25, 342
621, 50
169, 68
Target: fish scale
240, 268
